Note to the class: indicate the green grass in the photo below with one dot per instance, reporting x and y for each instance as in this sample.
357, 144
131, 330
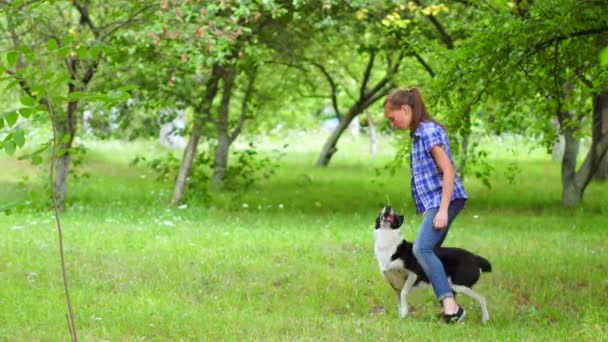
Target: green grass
296, 262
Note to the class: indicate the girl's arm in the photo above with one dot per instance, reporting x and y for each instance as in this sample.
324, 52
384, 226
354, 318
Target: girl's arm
445, 165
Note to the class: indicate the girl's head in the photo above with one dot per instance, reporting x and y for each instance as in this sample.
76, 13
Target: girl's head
405, 109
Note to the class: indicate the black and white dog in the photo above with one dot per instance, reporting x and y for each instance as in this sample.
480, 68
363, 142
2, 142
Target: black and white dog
402, 271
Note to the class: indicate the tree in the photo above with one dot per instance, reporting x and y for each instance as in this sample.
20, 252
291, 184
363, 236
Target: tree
207, 54
539, 62
79, 31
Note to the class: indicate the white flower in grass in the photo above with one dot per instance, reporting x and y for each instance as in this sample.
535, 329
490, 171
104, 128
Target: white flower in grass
245, 205
17, 228
476, 216
281, 206
183, 206
168, 223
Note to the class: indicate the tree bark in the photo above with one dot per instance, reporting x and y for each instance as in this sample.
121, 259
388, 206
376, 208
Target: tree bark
602, 172
66, 127
186, 165
220, 162
373, 138
571, 192
575, 182
203, 112
464, 155
330, 145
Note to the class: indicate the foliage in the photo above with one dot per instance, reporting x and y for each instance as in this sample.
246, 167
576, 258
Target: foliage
247, 169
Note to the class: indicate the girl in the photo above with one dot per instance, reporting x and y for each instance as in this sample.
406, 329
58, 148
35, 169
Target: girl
436, 189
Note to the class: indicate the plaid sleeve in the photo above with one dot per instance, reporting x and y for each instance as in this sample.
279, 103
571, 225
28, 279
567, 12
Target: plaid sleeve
435, 135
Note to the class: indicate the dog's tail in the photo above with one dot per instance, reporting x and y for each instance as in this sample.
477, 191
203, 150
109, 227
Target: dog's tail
484, 264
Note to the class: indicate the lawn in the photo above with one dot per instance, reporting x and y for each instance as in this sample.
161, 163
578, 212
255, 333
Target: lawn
292, 258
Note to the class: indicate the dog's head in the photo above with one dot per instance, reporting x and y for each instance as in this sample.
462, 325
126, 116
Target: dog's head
388, 219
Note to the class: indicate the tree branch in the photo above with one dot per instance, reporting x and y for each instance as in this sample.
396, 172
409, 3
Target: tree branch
425, 65
334, 88
23, 84
123, 23
85, 19
589, 32
447, 40
369, 101
244, 106
366, 74
589, 167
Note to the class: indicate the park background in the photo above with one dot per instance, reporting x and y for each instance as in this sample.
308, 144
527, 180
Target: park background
212, 170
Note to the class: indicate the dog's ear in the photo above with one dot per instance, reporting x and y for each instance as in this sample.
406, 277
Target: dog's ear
377, 222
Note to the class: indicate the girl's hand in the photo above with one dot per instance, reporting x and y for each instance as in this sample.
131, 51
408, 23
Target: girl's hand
441, 220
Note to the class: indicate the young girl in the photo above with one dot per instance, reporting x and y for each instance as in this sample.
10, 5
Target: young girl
436, 189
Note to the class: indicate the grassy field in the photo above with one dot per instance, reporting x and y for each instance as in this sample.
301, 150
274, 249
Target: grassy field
292, 259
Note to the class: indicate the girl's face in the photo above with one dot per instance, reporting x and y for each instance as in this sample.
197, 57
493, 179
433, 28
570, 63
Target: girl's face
400, 118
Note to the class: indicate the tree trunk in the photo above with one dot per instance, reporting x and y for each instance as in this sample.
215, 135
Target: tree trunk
602, 172
186, 164
223, 138
220, 163
330, 145
66, 127
203, 114
575, 182
571, 192
373, 139
464, 154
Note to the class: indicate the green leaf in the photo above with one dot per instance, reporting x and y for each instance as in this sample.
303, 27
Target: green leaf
82, 52
77, 95
36, 159
9, 147
11, 58
19, 138
604, 57
64, 51
51, 45
62, 152
11, 118
26, 112
64, 139
67, 40
93, 52
27, 100
25, 50
128, 88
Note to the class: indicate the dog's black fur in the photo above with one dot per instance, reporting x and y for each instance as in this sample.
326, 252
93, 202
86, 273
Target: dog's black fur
461, 266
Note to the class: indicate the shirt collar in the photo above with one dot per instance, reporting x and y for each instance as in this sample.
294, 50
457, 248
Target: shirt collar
418, 131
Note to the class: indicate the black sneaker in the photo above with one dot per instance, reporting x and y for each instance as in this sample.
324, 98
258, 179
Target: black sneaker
456, 318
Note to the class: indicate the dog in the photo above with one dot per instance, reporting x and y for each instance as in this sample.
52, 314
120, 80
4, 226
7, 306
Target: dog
402, 271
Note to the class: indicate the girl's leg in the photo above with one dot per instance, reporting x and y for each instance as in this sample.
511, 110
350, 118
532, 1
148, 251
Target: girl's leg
426, 240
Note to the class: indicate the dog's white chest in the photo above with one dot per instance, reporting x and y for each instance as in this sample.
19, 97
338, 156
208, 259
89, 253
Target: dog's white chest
386, 242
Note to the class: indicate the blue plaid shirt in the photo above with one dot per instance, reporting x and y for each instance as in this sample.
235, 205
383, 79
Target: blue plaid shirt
426, 176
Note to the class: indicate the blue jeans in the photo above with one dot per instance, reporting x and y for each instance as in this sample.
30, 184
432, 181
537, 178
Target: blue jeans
426, 241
